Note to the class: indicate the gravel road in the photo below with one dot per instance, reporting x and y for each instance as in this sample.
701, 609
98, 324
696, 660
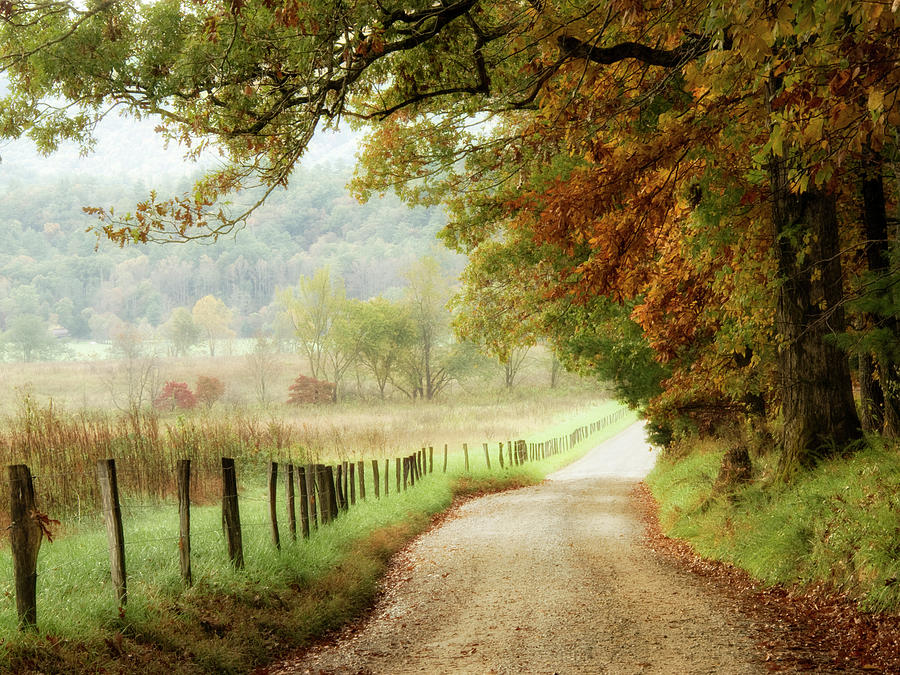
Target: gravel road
548, 579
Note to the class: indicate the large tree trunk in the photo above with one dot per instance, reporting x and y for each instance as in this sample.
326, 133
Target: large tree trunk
817, 398
875, 219
871, 399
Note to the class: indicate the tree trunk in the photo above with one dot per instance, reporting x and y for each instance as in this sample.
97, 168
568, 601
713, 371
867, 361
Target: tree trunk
875, 219
871, 400
817, 398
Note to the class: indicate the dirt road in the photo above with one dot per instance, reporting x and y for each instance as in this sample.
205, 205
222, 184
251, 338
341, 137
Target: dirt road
549, 579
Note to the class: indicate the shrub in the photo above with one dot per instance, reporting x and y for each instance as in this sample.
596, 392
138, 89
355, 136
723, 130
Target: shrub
209, 389
175, 395
310, 390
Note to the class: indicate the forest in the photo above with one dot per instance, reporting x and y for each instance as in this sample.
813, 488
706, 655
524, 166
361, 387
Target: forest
55, 274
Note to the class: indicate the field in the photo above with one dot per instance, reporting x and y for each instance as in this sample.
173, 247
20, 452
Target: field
230, 620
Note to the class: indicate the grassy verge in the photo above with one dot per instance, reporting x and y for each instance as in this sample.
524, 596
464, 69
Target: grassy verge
231, 621
836, 527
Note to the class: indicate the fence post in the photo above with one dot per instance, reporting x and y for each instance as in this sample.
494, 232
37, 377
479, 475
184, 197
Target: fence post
500, 454
405, 471
352, 483
397, 471
375, 479
445, 458
109, 491
231, 516
387, 476
324, 494
273, 510
332, 483
509, 450
339, 485
313, 504
430, 459
344, 492
487, 456
25, 539
304, 503
289, 496
361, 473
183, 474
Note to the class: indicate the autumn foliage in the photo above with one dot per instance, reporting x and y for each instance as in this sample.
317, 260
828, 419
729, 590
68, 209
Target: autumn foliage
209, 389
310, 390
175, 396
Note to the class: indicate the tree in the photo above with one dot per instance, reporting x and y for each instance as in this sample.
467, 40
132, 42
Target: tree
262, 366
426, 298
318, 310
213, 318
181, 331
386, 331
640, 150
30, 337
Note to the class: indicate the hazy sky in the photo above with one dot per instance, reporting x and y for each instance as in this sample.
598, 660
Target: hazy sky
131, 150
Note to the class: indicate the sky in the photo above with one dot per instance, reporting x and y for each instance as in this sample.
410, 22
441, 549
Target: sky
131, 150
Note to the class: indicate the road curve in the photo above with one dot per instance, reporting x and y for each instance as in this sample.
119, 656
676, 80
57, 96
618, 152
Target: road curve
547, 579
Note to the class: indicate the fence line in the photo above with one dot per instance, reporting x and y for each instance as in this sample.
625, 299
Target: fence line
325, 491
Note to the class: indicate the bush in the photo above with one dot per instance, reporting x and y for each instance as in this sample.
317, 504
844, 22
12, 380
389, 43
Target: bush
209, 389
175, 395
310, 390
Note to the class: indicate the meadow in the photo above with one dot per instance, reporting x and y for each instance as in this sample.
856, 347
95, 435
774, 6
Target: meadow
230, 620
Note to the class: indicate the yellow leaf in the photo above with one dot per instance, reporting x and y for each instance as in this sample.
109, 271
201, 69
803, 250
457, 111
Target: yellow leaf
876, 100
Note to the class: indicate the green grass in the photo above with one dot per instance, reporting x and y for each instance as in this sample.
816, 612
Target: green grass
230, 620
836, 527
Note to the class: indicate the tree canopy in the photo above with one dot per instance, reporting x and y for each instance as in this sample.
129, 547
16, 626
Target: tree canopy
724, 170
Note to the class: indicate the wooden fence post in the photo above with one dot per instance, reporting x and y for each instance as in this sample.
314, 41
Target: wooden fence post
352, 480
405, 472
500, 454
314, 504
346, 477
361, 473
509, 450
324, 494
290, 498
332, 483
466, 454
305, 525
375, 479
397, 471
112, 512
487, 456
339, 485
273, 510
387, 476
445, 458
184, 519
430, 459
25, 540
231, 516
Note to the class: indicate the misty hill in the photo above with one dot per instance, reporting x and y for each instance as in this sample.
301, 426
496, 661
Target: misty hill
49, 267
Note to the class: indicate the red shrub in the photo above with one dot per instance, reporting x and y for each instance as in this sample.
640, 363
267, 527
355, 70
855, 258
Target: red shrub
310, 390
175, 395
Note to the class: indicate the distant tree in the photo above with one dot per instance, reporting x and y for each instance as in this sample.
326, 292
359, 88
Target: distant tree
386, 331
213, 318
29, 336
262, 365
135, 378
209, 389
312, 307
181, 330
426, 297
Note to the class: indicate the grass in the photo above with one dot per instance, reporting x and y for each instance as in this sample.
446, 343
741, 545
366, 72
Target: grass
836, 527
231, 621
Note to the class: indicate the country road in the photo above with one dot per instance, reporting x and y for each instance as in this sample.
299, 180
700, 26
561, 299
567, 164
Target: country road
548, 579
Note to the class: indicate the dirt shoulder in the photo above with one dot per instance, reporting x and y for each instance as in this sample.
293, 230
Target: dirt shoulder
549, 579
